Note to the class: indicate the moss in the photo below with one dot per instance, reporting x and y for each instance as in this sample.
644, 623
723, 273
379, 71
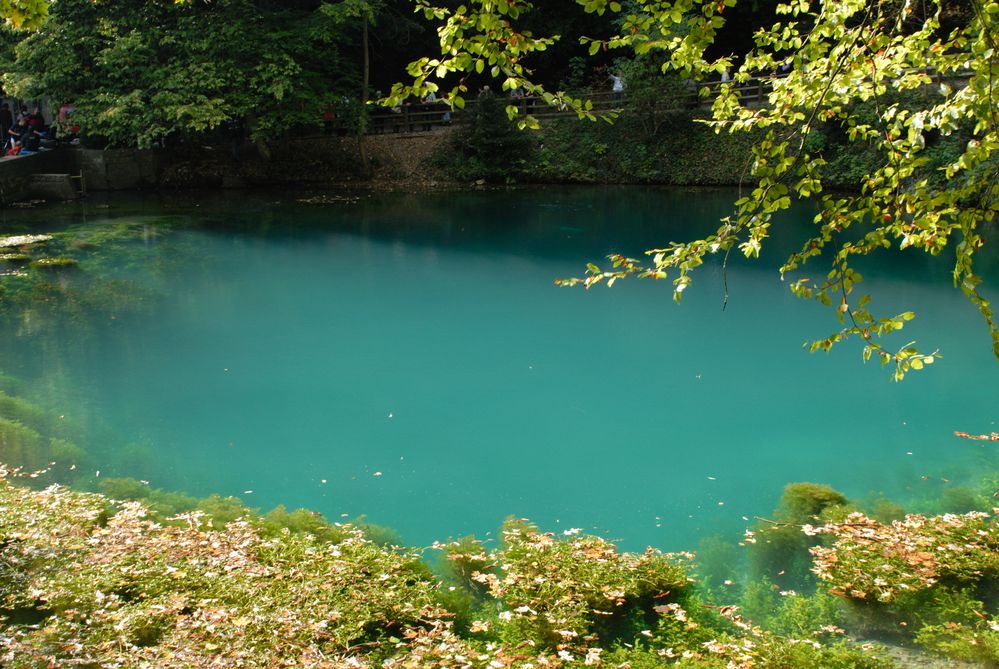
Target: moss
805, 502
780, 553
884, 510
54, 263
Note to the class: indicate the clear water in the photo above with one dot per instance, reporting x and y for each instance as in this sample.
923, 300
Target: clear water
409, 358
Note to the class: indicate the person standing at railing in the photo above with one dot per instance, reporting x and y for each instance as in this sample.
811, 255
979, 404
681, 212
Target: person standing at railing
429, 102
617, 86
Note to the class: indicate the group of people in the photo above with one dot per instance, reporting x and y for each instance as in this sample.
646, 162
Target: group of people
27, 132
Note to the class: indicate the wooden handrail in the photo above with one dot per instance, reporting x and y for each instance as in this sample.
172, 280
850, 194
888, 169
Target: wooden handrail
424, 117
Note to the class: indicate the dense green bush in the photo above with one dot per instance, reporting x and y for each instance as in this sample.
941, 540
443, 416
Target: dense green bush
487, 145
643, 145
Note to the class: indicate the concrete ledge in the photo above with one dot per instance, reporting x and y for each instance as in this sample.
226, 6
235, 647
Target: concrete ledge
16, 171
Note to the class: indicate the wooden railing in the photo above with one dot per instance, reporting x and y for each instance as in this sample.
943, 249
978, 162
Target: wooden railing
424, 117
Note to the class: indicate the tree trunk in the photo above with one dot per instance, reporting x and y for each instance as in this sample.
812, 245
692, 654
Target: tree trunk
362, 122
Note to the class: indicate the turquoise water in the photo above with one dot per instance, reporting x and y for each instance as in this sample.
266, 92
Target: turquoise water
409, 358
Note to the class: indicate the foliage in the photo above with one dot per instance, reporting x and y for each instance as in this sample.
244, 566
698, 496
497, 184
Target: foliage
130, 590
86, 581
487, 145
24, 13
936, 577
779, 550
641, 146
478, 37
834, 56
138, 73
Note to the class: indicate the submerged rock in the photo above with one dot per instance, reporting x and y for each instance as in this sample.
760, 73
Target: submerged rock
22, 240
60, 261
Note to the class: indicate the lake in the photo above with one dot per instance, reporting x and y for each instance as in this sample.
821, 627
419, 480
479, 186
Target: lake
409, 358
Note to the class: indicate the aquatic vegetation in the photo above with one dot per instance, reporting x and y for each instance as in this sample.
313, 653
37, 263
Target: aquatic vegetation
803, 501
55, 262
9, 384
779, 551
19, 409
21, 445
570, 598
720, 566
883, 510
935, 579
104, 254
37, 441
958, 499
129, 590
163, 504
114, 587
578, 590
669, 611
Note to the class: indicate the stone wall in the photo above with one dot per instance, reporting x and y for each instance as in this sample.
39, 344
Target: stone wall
310, 162
16, 172
118, 169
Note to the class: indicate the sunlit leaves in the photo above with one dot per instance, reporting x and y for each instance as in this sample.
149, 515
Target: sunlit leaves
832, 61
482, 37
29, 14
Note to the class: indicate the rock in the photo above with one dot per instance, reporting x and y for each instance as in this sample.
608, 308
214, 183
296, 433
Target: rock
54, 263
22, 240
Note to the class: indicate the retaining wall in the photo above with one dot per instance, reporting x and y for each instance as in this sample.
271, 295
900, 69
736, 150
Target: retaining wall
16, 172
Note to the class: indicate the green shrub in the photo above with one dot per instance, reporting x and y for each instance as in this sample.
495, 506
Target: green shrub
487, 146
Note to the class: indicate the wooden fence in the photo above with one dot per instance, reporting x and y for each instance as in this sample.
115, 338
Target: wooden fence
424, 117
